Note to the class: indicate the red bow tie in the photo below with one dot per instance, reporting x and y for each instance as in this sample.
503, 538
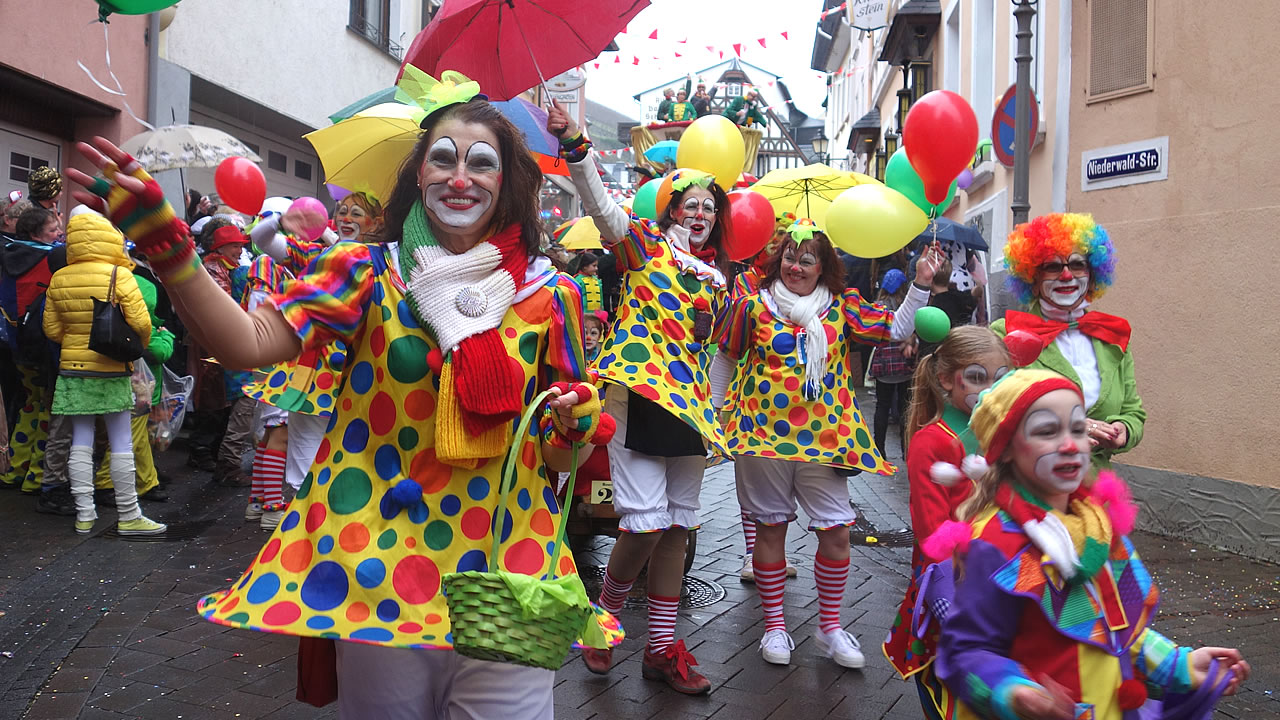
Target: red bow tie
1104, 327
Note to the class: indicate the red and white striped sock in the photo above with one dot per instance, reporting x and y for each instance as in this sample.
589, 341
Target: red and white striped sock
749, 533
614, 592
255, 485
662, 622
831, 576
771, 581
268, 468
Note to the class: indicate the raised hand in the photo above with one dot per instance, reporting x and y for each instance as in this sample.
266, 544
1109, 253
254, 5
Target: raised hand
559, 123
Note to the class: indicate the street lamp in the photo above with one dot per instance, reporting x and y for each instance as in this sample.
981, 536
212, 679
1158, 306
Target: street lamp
1024, 11
820, 145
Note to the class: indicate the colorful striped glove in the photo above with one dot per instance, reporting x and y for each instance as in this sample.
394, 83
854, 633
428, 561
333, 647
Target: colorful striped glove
149, 221
592, 424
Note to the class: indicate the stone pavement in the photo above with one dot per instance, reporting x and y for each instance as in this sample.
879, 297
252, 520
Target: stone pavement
102, 628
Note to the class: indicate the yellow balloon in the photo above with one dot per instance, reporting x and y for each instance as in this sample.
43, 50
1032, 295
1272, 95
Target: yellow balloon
713, 144
871, 221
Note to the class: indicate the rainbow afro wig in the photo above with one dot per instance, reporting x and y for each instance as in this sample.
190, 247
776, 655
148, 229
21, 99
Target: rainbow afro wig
1039, 241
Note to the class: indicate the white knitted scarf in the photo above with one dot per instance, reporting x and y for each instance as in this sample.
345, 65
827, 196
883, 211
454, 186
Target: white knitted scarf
807, 311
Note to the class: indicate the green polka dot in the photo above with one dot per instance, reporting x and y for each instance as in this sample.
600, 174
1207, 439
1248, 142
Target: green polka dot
749, 387
815, 426
240, 617
787, 449
689, 282
407, 438
649, 312
350, 491
386, 313
529, 347
407, 358
635, 352
862, 438
387, 540
437, 535
306, 486
337, 456
291, 587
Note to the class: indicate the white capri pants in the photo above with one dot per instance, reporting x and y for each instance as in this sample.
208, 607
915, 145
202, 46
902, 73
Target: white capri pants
305, 434
768, 489
381, 683
650, 493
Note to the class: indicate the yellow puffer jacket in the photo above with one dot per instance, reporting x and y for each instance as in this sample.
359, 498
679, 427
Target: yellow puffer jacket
94, 248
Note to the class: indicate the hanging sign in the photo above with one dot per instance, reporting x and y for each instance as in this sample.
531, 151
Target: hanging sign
868, 14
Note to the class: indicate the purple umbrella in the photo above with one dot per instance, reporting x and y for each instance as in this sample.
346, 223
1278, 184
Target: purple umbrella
531, 120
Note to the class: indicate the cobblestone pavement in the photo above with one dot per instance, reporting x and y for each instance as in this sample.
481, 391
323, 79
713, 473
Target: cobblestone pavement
101, 628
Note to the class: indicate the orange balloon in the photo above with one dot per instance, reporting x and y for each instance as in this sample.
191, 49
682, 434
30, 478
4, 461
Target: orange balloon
668, 186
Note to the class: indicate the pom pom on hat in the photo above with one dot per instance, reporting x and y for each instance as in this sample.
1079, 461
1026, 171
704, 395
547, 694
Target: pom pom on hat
951, 537
945, 474
974, 466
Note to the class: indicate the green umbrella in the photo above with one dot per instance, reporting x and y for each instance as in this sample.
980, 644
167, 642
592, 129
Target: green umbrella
385, 95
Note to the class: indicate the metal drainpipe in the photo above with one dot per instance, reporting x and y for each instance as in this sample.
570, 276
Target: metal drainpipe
1025, 12
153, 68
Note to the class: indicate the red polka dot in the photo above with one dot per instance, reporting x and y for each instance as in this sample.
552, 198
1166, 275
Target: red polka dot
409, 627
798, 416
230, 603
324, 381
475, 523
378, 374
774, 362
430, 473
282, 613
315, 517
673, 330
828, 439
526, 557
358, 612
511, 333
270, 550
648, 391
346, 404
416, 579
831, 334
322, 453
297, 556
410, 542
527, 456
378, 340
792, 383
843, 397
541, 523
566, 565
419, 405
643, 294
432, 619
819, 410
354, 537
382, 414
652, 369
844, 430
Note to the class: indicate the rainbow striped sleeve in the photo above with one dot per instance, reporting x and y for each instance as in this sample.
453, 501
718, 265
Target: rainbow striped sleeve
870, 323
740, 327
329, 302
301, 254
745, 283
640, 243
565, 358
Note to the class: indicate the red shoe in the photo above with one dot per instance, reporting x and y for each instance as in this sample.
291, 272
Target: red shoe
675, 667
598, 661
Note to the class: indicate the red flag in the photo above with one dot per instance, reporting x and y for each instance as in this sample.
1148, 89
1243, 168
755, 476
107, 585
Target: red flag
653, 35
635, 60
737, 49
678, 55
721, 54
770, 83
710, 49
597, 65
683, 41
761, 41
784, 35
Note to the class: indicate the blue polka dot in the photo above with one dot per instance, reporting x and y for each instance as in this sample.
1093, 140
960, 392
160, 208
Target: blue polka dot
679, 401
324, 401
325, 587
660, 280
764, 386
804, 437
619, 336
370, 573
523, 499
244, 580
388, 506
378, 293
290, 521
473, 560
868, 460
668, 301
386, 462
780, 400
319, 622
361, 377
746, 424
264, 588
374, 634
640, 331
450, 505
418, 513
680, 371
388, 610
337, 359
781, 427
478, 488
549, 497
784, 343
356, 436
406, 315
325, 546
322, 477
506, 525
276, 380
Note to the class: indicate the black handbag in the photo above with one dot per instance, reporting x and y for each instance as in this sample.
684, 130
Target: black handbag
110, 334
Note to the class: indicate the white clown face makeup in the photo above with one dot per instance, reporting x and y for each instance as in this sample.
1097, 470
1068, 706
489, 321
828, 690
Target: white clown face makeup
964, 386
801, 268
1051, 446
697, 213
353, 221
461, 176
1063, 282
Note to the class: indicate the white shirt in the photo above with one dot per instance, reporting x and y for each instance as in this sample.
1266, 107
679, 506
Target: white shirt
1077, 348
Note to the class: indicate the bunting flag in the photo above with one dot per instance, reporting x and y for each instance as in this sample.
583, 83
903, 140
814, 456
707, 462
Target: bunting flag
737, 49
679, 55
683, 41
837, 9
635, 60
653, 35
784, 35
761, 41
617, 59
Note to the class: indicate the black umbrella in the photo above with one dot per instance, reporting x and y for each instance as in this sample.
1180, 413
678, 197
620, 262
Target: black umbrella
946, 230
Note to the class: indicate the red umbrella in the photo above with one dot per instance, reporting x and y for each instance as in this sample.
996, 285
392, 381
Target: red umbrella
509, 46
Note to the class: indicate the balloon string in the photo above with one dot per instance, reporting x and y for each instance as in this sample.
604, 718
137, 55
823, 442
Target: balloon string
119, 89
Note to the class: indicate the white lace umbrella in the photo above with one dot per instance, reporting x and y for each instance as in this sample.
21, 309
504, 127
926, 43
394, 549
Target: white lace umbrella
185, 146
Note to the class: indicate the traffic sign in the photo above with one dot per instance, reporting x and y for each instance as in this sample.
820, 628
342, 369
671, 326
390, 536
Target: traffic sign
1002, 124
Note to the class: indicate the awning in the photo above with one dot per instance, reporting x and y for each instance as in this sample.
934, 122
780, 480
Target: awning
866, 130
911, 31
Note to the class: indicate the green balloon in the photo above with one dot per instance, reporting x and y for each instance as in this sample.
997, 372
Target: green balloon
899, 175
645, 203
132, 7
932, 324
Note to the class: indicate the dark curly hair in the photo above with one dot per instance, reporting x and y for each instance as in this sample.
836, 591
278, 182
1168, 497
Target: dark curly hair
832, 269
521, 178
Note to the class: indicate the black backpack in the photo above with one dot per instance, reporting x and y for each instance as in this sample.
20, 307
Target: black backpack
33, 346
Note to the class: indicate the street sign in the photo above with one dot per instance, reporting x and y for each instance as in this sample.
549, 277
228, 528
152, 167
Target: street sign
1002, 125
868, 14
1141, 161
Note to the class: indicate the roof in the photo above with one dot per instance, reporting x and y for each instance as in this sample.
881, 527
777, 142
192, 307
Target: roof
913, 12
869, 121
734, 63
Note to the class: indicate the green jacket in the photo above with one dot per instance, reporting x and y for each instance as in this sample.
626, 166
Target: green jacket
679, 112
1117, 394
160, 349
752, 115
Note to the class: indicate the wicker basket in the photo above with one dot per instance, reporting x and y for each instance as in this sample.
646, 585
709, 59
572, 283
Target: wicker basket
488, 622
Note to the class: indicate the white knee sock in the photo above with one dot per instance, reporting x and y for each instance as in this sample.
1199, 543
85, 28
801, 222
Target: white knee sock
122, 476
80, 472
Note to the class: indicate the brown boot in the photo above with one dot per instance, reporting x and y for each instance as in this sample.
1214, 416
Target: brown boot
675, 666
598, 661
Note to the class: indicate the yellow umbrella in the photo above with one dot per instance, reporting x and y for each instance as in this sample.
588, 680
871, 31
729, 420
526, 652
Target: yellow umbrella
368, 148
579, 234
807, 191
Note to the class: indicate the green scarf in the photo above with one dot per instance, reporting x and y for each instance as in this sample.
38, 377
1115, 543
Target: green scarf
958, 421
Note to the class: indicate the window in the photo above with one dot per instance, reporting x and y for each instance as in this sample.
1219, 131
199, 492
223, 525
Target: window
253, 147
371, 19
951, 51
20, 166
1119, 48
983, 66
277, 161
733, 90
302, 169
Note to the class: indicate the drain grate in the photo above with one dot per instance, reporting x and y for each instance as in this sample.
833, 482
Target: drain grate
176, 532
694, 593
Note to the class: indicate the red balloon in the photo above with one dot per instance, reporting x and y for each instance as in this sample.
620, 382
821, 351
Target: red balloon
940, 136
241, 185
751, 217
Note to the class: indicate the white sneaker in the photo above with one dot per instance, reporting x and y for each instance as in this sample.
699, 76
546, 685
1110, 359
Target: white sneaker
791, 569
253, 512
776, 647
748, 572
271, 520
842, 647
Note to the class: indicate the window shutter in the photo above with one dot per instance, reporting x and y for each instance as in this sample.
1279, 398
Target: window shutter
1119, 47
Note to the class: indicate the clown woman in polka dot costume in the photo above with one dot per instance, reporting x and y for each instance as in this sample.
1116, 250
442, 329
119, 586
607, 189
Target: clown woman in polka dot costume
791, 419
453, 325
655, 359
